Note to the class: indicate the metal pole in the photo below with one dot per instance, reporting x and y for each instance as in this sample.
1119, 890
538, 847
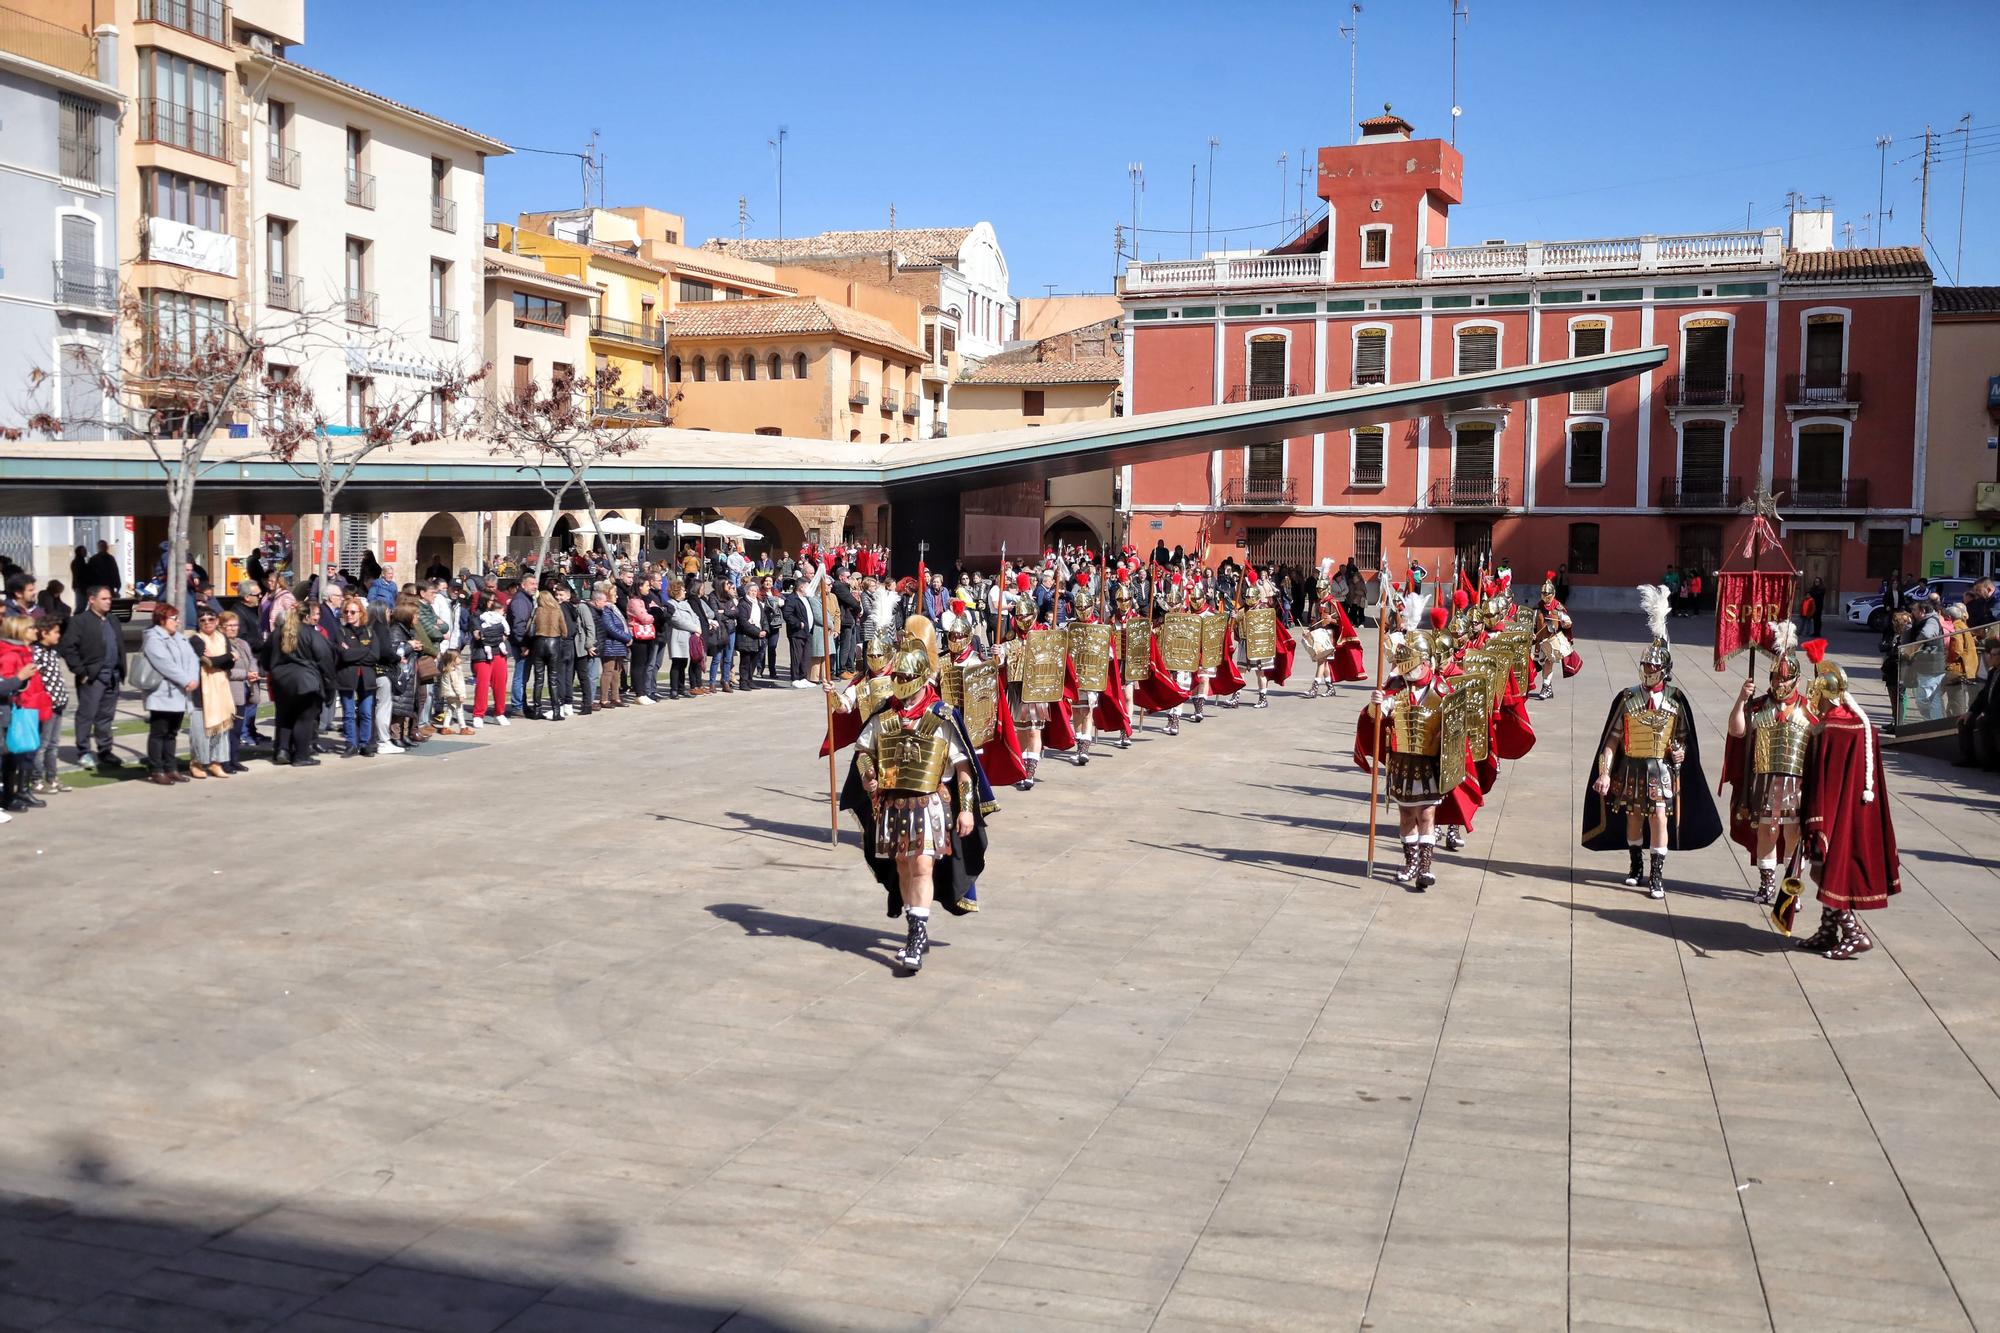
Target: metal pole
1208, 236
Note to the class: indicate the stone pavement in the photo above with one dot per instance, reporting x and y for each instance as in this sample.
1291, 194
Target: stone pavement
584, 1027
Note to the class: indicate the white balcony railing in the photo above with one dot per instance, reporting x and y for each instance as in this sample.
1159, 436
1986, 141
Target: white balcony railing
1241, 271
1628, 254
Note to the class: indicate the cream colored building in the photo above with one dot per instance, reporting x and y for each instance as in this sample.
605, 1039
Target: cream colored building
1962, 451
1075, 375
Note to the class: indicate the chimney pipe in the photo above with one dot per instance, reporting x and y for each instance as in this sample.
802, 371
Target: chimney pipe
107, 53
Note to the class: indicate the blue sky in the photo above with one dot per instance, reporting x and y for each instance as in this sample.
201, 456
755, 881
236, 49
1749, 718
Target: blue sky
1581, 119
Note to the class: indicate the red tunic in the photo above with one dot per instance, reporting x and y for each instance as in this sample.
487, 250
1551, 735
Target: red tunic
1226, 679
1349, 662
1857, 869
1158, 692
1110, 714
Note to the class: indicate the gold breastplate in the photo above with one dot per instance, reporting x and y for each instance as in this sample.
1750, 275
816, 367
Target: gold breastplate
1090, 649
872, 693
1648, 731
1419, 723
1780, 740
911, 757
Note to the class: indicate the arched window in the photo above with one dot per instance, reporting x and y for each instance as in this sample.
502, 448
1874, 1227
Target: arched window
674, 369
854, 437
776, 366
799, 366
722, 366
749, 365
700, 369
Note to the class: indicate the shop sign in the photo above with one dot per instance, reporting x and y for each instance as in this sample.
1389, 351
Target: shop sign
191, 247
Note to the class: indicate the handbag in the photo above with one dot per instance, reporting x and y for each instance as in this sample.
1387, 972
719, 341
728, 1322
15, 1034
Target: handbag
24, 731
144, 676
697, 650
427, 670
643, 631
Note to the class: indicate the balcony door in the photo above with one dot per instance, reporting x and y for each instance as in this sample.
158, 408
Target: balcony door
1267, 367
1701, 460
1472, 543
1705, 360
1472, 457
1822, 463
1826, 346
1267, 466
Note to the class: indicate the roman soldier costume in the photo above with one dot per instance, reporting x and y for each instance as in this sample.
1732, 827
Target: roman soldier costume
917, 788
1261, 631
1769, 737
1848, 828
1090, 665
1555, 654
1649, 766
1033, 664
1411, 706
857, 698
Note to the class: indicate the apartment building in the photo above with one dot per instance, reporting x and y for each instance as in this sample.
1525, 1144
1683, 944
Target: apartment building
1797, 366
1962, 467
59, 289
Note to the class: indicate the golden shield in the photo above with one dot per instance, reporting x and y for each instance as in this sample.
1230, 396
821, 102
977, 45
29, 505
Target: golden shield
1214, 624
1042, 682
1461, 719
1135, 645
1090, 649
1180, 641
981, 682
1260, 633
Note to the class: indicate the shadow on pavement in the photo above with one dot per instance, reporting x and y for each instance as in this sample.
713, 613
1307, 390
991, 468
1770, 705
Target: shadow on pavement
83, 1245
861, 941
1704, 935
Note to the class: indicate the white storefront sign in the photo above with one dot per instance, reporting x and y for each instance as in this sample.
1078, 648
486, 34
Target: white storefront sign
193, 247
366, 361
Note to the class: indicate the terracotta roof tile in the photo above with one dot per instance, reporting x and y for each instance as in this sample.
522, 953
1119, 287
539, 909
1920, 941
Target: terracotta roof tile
1009, 369
279, 62
777, 316
937, 243
1888, 263
1965, 301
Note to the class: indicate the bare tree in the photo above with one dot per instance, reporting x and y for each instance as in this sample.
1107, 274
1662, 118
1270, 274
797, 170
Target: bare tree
563, 435
301, 437
193, 367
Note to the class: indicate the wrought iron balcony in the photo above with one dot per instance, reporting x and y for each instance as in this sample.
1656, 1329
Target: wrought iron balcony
1705, 390
360, 189
911, 407
1803, 493
86, 287
38, 39
281, 166
1473, 492
207, 19
1257, 393
857, 395
891, 399
444, 213
181, 127
1709, 492
360, 306
644, 332
282, 292
1825, 391
444, 325
1260, 492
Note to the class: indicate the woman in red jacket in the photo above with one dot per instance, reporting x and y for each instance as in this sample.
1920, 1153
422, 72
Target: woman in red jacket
21, 689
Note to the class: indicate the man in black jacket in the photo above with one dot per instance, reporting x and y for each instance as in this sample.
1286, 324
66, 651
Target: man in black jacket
849, 639
95, 652
101, 570
753, 627
798, 630
521, 628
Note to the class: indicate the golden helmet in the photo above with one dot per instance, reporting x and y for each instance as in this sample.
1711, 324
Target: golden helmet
916, 658
1410, 650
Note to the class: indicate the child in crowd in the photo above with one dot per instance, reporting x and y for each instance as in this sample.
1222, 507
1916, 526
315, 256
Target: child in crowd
42, 773
21, 690
451, 694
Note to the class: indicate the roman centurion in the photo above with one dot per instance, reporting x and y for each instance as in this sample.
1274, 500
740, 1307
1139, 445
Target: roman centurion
1411, 704
1555, 654
1090, 652
1648, 768
917, 786
1032, 658
1770, 734
1847, 824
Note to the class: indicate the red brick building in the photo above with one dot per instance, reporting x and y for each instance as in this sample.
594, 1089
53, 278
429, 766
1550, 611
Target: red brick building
1803, 367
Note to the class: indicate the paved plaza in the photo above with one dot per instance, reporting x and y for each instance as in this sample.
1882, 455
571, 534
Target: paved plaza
585, 1027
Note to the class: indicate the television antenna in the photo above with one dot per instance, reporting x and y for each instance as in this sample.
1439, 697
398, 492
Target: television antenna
1351, 30
1461, 13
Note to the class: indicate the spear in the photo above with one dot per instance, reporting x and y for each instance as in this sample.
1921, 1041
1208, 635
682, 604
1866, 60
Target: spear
826, 675
1375, 769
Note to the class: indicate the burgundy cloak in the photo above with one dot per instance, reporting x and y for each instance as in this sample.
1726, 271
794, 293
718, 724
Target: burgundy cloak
1857, 870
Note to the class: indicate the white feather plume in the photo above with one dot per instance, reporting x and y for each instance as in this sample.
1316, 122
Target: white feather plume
1784, 636
1412, 611
1656, 600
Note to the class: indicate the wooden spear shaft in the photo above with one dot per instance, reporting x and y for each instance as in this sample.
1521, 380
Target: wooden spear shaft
826, 678
1375, 769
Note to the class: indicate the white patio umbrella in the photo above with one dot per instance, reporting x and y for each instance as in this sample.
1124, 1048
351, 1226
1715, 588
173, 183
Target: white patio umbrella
722, 527
616, 527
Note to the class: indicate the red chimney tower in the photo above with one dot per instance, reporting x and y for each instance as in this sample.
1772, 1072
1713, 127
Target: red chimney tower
1386, 196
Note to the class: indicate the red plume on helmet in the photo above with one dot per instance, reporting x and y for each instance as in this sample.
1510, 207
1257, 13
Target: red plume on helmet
1814, 649
958, 605
1438, 617
1459, 601
1250, 576
1023, 581
1550, 576
1124, 574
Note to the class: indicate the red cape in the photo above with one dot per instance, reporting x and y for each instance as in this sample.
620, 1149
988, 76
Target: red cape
1001, 756
1513, 733
846, 728
1281, 666
1859, 870
1365, 727
1111, 713
1226, 679
1349, 661
1158, 692
1059, 732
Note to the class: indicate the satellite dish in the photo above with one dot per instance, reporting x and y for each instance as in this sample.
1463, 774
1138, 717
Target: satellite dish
1457, 111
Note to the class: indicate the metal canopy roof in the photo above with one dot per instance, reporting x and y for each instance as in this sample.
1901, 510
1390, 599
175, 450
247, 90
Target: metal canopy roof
675, 468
